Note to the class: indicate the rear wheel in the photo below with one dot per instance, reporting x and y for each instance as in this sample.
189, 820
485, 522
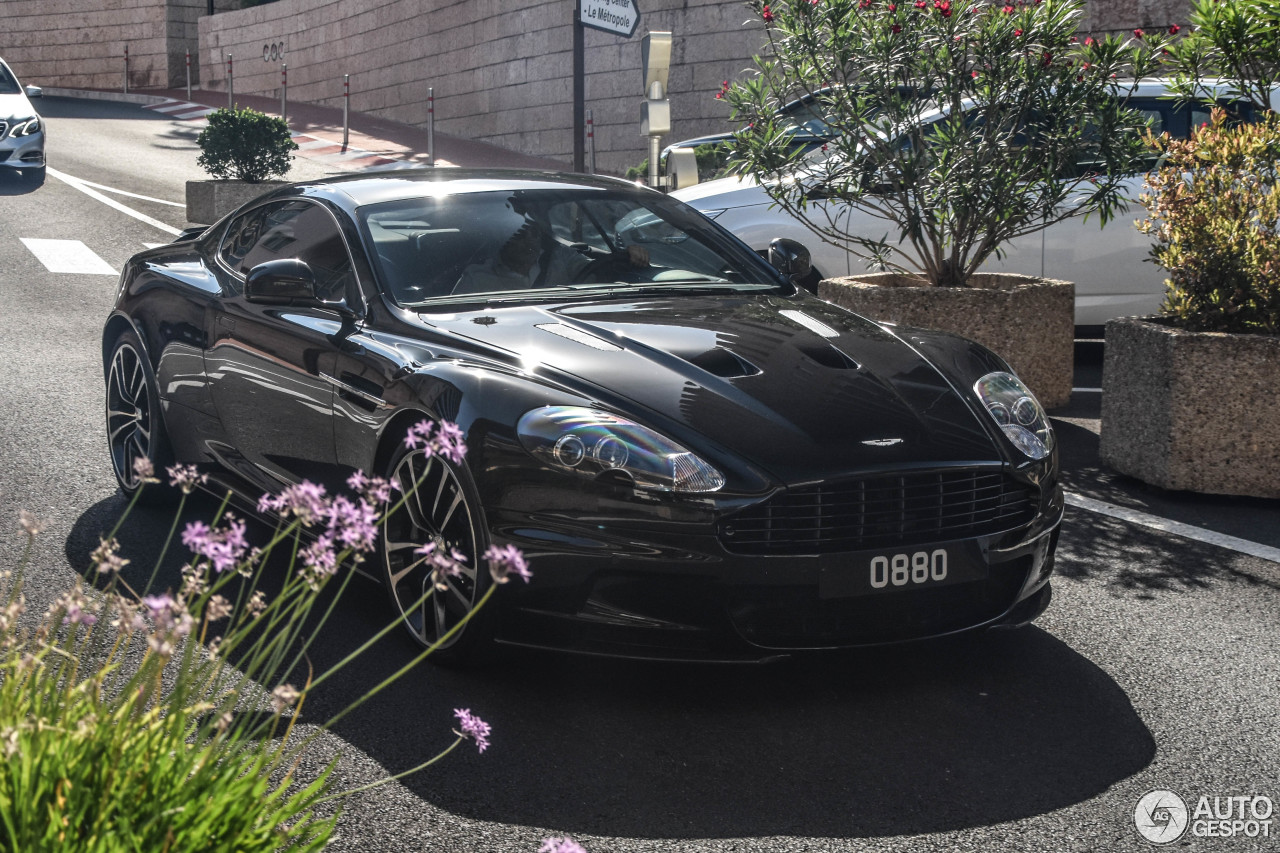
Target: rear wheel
135, 429
441, 507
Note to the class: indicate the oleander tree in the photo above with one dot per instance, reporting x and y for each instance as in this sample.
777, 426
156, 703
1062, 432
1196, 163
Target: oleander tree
1235, 42
962, 126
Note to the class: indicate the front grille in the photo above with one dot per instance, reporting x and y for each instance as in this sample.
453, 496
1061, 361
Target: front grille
880, 512
4, 128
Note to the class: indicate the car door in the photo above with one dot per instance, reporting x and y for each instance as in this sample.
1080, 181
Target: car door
270, 367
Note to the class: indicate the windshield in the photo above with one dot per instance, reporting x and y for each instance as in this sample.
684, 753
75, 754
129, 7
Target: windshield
8, 83
542, 243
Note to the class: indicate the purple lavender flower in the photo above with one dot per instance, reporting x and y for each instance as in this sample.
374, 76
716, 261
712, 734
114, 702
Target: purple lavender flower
354, 524
305, 501
186, 477
472, 727
448, 440
222, 548
507, 561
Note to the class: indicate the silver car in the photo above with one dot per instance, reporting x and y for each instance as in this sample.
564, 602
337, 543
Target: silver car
21, 128
1108, 265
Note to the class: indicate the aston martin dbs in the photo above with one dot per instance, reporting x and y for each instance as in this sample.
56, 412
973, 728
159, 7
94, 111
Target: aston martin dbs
700, 460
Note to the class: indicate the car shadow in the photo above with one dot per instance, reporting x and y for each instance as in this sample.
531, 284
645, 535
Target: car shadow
927, 738
13, 183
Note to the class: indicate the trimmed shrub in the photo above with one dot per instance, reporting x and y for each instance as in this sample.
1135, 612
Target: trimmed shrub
1214, 210
246, 145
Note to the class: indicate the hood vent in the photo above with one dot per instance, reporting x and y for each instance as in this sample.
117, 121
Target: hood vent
578, 336
830, 356
725, 364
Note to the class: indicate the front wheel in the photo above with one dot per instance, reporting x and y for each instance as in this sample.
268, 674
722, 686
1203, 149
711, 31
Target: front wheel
135, 429
440, 506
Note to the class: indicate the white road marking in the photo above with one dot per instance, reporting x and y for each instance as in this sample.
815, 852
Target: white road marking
154, 245
172, 106
203, 111
1086, 390
1177, 528
115, 191
67, 256
76, 183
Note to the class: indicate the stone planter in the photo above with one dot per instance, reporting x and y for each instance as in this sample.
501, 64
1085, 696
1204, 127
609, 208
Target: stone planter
209, 201
1029, 321
1192, 410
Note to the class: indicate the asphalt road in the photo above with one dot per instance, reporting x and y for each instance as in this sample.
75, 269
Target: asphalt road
1157, 666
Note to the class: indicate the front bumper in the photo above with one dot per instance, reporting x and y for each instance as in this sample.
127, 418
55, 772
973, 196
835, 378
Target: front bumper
22, 152
674, 595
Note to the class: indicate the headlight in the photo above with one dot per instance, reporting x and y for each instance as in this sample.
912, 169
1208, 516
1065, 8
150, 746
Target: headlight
589, 442
1017, 412
26, 127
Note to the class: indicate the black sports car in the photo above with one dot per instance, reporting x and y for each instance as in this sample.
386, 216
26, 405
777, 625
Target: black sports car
700, 459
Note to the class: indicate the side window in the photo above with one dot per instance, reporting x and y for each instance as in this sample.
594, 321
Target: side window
292, 229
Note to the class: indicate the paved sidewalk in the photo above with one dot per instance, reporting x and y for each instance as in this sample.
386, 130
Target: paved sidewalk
373, 143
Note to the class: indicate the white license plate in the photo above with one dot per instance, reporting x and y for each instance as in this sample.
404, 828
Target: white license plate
869, 573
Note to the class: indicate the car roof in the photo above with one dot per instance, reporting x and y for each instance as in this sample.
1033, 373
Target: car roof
358, 190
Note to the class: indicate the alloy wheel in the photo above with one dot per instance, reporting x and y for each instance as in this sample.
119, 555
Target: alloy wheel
436, 510
130, 419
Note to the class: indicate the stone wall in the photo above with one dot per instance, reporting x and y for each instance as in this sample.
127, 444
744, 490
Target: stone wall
501, 69
78, 45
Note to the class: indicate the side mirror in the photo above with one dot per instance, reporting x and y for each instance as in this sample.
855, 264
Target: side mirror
790, 258
34, 92
282, 282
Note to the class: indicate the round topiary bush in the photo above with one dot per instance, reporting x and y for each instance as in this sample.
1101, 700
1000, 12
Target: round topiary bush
245, 144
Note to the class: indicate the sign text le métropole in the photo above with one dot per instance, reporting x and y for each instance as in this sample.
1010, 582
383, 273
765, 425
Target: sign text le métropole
619, 17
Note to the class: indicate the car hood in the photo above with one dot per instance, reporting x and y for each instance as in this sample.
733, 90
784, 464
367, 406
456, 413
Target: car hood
723, 193
15, 106
793, 385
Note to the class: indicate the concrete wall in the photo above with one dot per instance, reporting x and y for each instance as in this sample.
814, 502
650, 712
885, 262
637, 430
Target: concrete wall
74, 44
501, 69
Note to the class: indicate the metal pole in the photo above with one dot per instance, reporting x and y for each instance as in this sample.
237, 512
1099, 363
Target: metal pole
346, 109
188, 75
431, 125
591, 142
579, 85
126, 68
231, 85
284, 92
654, 151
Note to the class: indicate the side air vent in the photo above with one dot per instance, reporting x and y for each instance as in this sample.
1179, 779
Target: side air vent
725, 364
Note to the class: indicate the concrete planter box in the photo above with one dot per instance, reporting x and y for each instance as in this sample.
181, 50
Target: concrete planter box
209, 201
1029, 321
1192, 410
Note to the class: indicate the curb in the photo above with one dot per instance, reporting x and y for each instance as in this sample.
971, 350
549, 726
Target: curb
98, 95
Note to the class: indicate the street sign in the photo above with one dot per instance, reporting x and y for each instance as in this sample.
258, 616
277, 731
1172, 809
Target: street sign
619, 17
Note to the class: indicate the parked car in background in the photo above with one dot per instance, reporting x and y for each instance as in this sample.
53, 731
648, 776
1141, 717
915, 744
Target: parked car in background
700, 459
802, 119
21, 128
1107, 264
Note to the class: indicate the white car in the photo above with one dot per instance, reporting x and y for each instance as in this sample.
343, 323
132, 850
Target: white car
1108, 265
21, 128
